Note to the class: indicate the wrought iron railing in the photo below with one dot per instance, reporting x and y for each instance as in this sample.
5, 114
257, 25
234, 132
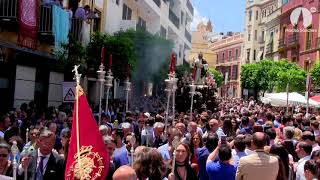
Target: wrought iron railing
46, 20
308, 45
76, 29
282, 43
293, 38
174, 18
157, 2
8, 10
269, 48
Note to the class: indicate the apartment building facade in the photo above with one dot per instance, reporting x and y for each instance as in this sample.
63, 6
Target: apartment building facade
299, 37
228, 52
262, 30
169, 18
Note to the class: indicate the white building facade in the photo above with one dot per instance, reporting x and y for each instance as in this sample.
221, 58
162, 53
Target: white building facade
169, 18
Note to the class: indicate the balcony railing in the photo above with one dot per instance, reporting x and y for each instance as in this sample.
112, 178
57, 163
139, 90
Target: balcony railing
8, 10
308, 45
293, 38
46, 20
174, 18
269, 48
187, 35
189, 6
158, 2
76, 29
282, 43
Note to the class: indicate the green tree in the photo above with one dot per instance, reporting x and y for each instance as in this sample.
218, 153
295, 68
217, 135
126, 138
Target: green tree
120, 46
218, 77
181, 69
296, 78
315, 73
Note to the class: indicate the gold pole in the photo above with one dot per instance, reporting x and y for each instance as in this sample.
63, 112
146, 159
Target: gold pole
78, 76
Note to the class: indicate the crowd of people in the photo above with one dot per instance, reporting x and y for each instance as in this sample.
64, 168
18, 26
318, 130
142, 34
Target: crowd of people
238, 140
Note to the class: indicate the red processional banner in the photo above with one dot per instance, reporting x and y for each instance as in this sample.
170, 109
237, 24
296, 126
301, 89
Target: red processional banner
28, 23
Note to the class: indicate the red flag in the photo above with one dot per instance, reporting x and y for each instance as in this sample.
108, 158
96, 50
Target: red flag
87, 158
173, 63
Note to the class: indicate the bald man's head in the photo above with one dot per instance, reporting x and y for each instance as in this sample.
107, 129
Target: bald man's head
124, 173
259, 140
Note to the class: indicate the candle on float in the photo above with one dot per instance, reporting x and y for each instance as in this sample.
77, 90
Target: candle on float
102, 55
110, 61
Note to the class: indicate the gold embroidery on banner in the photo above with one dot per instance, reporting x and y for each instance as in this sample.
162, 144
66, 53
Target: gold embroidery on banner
89, 161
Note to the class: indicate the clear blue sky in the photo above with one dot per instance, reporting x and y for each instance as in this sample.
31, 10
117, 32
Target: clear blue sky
225, 15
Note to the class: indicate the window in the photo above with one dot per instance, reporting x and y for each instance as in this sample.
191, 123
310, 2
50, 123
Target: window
222, 57
126, 13
237, 54
255, 35
249, 36
142, 24
229, 55
257, 15
248, 55
250, 15
235, 72
182, 18
309, 39
254, 54
262, 36
285, 2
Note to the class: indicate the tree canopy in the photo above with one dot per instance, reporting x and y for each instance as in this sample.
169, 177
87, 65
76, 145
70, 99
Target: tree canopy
268, 75
218, 77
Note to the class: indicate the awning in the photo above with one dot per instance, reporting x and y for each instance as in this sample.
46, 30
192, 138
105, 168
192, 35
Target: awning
315, 98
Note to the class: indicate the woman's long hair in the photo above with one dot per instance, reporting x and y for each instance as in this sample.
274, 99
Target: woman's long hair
283, 158
192, 145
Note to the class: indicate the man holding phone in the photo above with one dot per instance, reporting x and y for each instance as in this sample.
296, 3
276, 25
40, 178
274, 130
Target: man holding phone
221, 169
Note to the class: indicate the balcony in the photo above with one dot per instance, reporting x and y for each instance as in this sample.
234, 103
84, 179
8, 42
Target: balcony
269, 48
46, 20
190, 7
174, 18
187, 35
76, 29
8, 10
157, 2
308, 45
293, 39
282, 43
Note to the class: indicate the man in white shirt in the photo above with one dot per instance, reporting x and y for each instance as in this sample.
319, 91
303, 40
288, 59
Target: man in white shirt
303, 150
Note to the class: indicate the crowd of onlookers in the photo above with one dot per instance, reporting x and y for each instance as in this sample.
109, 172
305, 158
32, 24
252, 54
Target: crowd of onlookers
239, 140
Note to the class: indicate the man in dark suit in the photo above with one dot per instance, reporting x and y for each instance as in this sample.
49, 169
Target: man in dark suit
43, 163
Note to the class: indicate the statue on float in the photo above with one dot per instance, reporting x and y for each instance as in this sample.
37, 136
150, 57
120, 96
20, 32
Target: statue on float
200, 68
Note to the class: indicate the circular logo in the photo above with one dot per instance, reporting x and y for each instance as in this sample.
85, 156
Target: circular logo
306, 15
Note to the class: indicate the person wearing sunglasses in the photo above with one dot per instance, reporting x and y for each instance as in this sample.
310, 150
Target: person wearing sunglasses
5, 164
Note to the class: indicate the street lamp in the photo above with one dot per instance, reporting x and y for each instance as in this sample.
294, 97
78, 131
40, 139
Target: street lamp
192, 92
101, 73
174, 88
108, 84
127, 89
169, 87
